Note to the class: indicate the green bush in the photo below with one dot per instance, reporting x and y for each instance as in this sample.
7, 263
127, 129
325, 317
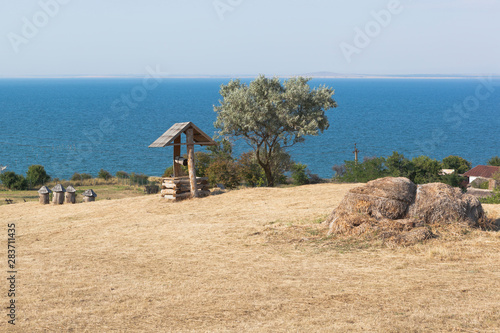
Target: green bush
453, 180
13, 181
36, 175
103, 174
80, 176
494, 199
484, 185
250, 171
299, 175
122, 175
202, 161
223, 172
139, 179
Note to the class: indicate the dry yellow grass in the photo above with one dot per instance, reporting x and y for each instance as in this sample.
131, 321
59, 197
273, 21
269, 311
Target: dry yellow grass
212, 265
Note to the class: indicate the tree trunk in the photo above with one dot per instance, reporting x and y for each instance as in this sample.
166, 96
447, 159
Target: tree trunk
266, 167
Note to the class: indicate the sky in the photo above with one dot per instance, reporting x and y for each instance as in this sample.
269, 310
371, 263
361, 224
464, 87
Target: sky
248, 37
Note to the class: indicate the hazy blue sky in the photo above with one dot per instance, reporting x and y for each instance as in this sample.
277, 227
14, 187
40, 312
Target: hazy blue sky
232, 37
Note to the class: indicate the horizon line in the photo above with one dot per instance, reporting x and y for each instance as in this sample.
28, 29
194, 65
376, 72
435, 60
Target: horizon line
224, 76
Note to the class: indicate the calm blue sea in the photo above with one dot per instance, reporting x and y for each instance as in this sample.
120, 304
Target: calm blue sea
83, 125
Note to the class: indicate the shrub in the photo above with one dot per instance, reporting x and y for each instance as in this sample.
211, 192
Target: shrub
223, 172
122, 175
313, 178
453, 180
250, 171
13, 181
80, 176
339, 171
139, 179
299, 175
494, 199
479, 183
103, 174
36, 175
202, 161
281, 163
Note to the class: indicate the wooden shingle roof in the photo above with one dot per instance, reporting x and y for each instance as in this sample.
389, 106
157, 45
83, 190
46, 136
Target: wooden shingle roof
58, 188
44, 190
70, 189
89, 193
168, 138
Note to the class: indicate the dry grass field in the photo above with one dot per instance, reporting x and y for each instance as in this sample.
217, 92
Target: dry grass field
246, 261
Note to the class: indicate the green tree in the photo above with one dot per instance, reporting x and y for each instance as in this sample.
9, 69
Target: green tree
36, 175
299, 175
13, 181
271, 116
459, 164
399, 166
426, 170
103, 174
494, 161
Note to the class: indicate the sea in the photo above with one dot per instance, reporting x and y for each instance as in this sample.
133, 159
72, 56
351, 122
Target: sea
83, 125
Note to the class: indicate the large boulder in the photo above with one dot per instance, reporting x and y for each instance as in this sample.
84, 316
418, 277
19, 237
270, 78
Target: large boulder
396, 205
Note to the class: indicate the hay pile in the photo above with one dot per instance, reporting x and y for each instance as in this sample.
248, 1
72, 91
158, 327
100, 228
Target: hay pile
399, 210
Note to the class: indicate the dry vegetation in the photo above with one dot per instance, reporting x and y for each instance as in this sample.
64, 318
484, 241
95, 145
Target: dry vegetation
250, 260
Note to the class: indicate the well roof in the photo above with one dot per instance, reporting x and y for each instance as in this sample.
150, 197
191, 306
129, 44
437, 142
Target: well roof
70, 189
168, 138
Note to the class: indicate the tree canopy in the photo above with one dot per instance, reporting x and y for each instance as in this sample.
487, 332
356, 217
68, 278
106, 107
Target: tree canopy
459, 164
494, 161
270, 115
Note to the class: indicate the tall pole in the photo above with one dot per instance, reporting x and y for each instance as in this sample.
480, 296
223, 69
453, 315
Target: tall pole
192, 172
356, 151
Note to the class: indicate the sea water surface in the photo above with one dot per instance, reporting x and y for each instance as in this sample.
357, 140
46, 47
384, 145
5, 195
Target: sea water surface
83, 125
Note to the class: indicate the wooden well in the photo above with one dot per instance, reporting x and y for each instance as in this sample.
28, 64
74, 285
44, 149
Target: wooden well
176, 188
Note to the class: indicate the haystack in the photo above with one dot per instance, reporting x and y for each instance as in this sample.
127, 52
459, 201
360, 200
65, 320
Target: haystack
396, 208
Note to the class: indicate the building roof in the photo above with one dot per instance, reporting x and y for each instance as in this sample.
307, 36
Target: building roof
168, 138
58, 188
446, 172
89, 193
485, 171
44, 190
